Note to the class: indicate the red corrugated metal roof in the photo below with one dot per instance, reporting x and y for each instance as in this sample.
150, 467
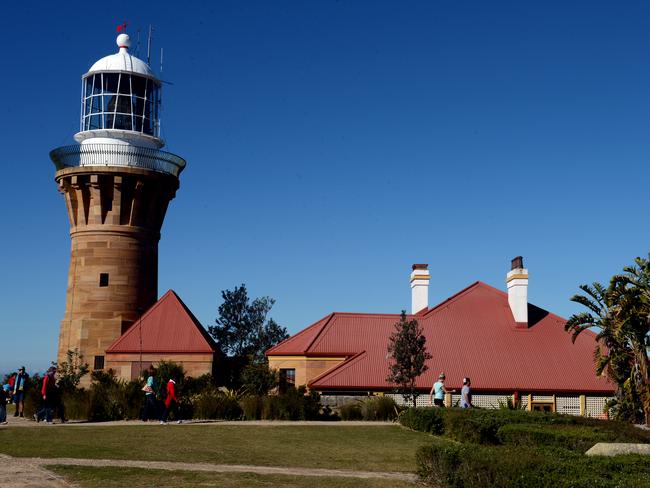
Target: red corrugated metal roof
167, 327
471, 334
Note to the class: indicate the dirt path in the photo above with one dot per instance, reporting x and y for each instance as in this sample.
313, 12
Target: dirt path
21, 422
30, 472
25, 473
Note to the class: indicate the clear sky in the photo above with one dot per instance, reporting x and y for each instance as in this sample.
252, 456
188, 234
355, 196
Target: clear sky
332, 144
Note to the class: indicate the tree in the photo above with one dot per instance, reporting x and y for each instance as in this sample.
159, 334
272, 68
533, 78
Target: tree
620, 313
71, 370
243, 332
408, 355
259, 379
631, 291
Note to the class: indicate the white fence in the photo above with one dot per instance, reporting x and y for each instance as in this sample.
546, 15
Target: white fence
568, 405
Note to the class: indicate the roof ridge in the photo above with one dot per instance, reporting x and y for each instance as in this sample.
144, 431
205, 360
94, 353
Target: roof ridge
318, 334
302, 332
131, 329
169, 295
456, 296
199, 326
347, 362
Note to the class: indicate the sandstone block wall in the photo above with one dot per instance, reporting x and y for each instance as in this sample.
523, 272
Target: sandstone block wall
115, 219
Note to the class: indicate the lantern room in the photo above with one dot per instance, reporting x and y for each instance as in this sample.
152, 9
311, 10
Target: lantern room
120, 101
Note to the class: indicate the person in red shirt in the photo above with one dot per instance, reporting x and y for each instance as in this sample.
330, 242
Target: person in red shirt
49, 393
171, 403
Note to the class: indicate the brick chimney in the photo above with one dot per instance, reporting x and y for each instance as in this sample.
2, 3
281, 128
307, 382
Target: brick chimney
517, 283
419, 288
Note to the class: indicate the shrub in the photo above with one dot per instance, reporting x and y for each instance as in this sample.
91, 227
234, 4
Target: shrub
213, 404
576, 438
271, 407
107, 397
351, 411
453, 464
76, 404
423, 419
251, 406
379, 408
133, 399
477, 426
259, 379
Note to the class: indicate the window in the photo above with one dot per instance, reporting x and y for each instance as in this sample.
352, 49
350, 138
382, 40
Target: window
121, 101
99, 362
103, 279
287, 379
542, 406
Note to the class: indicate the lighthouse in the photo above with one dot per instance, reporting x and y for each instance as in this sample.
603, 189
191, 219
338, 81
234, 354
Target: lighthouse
117, 183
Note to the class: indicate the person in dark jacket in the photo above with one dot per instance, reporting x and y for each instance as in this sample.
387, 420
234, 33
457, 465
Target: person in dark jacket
20, 385
49, 392
4, 395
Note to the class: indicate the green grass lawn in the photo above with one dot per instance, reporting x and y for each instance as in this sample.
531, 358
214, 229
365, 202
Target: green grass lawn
138, 478
372, 448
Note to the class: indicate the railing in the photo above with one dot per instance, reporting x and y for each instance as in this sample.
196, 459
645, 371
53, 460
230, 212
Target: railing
117, 155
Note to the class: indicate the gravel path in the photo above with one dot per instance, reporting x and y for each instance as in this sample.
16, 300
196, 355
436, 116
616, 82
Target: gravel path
27, 473
30, 472
21, 422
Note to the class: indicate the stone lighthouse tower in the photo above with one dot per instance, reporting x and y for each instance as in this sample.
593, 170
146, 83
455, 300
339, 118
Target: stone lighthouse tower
117, 184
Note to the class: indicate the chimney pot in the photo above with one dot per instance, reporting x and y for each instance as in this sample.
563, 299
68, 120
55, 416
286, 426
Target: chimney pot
420, 266
517, 263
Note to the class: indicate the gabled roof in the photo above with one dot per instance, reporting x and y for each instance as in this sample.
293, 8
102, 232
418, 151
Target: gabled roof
473, 334
167, 327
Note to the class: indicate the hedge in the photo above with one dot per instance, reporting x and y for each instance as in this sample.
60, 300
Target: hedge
454, 464
423, 419
482, 426
574, 438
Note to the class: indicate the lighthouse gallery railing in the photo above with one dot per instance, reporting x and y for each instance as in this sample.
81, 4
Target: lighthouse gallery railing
116, 155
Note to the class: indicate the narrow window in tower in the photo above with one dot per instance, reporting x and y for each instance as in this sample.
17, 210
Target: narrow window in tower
103, 279
99, 362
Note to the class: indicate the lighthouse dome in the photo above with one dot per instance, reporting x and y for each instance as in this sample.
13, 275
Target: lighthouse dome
122, 60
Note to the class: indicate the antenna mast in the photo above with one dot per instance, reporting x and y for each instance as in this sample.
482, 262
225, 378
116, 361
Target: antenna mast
137, 46
161, 60
149, 40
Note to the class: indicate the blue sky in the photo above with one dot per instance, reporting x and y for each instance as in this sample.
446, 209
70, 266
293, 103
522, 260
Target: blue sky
332, 144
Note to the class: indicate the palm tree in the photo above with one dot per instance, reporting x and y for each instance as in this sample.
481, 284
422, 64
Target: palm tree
631, 291
609, 348
621, 314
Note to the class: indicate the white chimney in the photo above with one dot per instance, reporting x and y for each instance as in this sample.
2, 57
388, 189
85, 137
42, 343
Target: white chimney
419, 288
517, 283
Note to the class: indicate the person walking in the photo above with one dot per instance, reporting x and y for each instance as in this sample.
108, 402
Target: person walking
20, 385
466, 394
171, 403
438, 391
149, 411
4, 395
49, 393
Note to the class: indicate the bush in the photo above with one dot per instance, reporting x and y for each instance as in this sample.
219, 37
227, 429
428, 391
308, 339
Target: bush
379, 408
76, 404
133, 399
259, 379
477, 426
481, 426
107, 397
251, 406
576, 438
351, 411
213, 404
423, 419
453, 464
